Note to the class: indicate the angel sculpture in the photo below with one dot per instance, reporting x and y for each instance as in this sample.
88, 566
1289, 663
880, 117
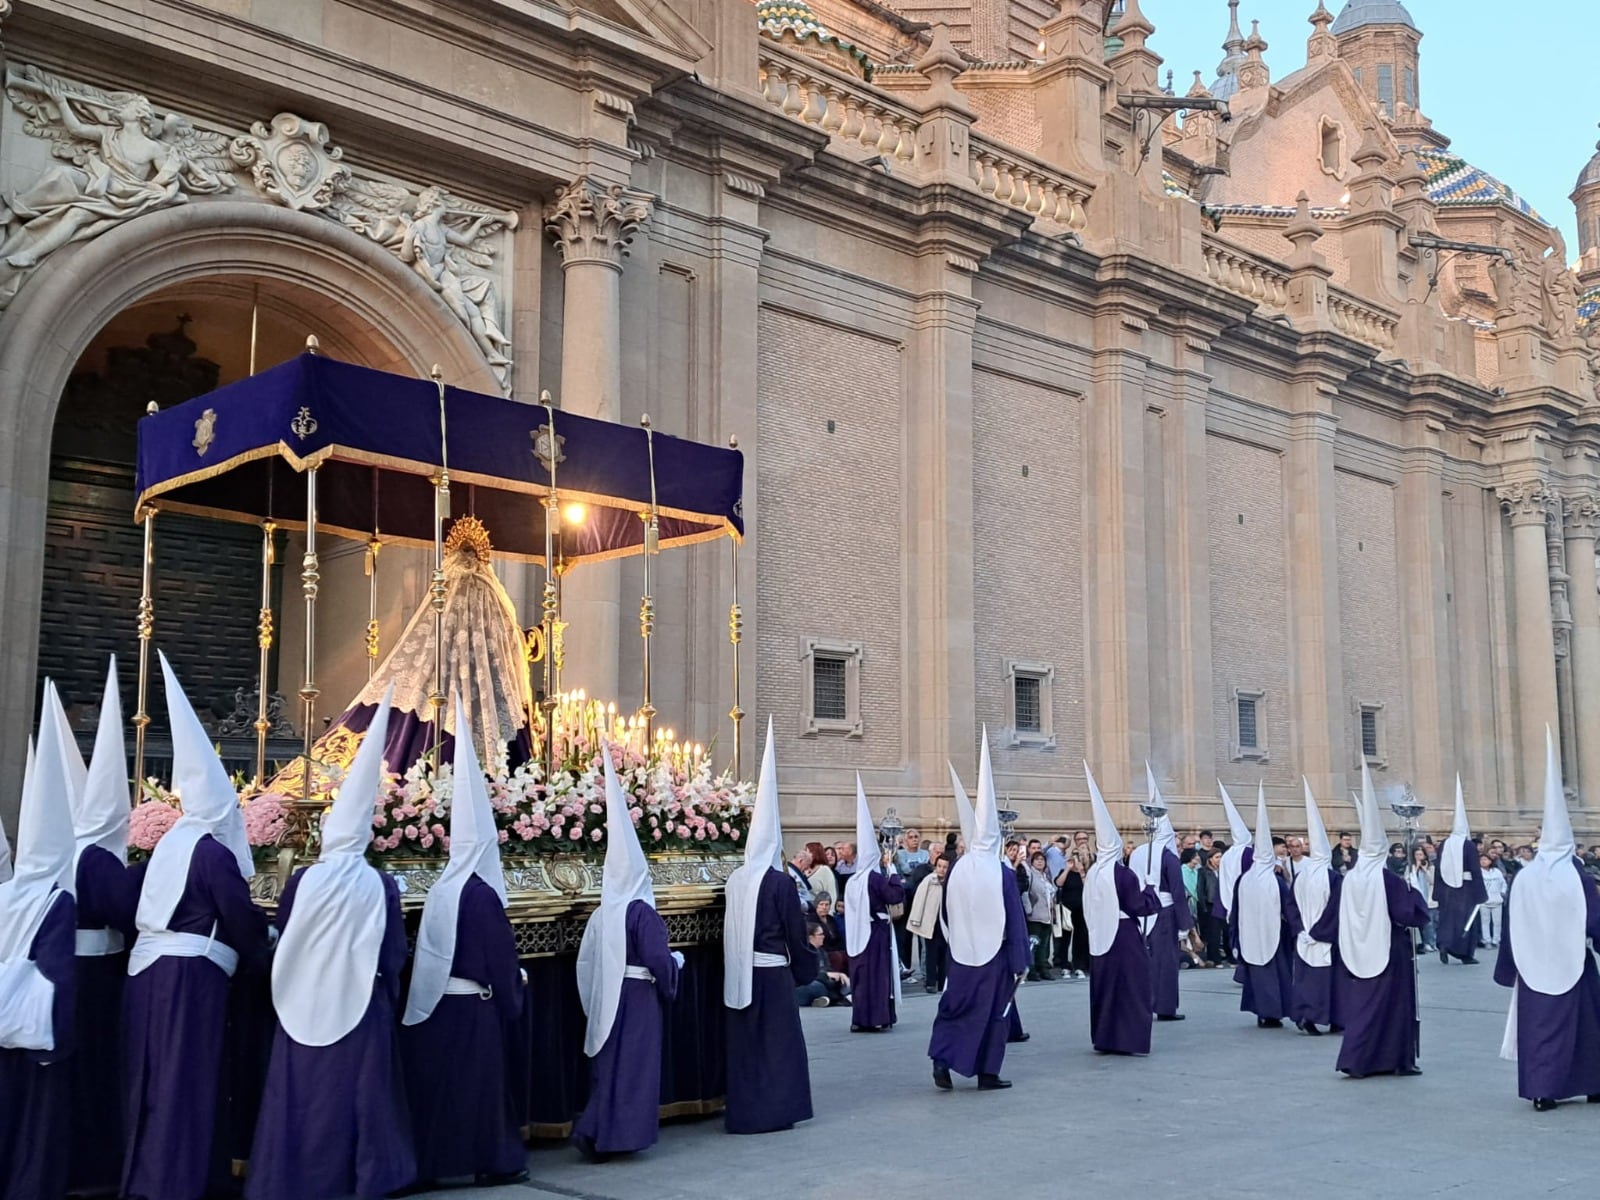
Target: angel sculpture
435, 248
122, 160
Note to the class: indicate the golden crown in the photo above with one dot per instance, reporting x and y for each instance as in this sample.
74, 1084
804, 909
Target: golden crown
469, 532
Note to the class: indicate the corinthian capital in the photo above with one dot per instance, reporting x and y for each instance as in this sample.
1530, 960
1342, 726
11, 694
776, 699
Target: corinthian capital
590, 222
1581, 514
1526, 502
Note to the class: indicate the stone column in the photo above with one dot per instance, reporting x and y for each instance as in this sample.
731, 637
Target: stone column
1425, 613
592, 224
1535, 667
1581, 525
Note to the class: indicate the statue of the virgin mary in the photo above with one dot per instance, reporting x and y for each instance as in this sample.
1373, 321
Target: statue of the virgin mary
484, 661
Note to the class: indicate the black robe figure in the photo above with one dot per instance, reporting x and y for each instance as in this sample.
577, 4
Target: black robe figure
1260, 927
769, 1075
1459, 891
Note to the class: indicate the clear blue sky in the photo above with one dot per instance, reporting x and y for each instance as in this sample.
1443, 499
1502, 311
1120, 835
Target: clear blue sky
1510, 83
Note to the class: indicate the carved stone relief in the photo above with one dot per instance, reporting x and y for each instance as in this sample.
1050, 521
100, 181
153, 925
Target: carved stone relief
121, 158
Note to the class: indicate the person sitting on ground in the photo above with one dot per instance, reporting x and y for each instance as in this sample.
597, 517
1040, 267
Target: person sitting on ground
830, 986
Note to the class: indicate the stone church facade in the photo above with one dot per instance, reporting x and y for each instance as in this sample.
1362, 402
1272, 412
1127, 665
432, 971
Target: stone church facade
1249, 447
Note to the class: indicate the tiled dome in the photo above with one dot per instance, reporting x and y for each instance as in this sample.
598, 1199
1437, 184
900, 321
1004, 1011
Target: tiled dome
777, 17
1454, 181
1591, 173
1360, 13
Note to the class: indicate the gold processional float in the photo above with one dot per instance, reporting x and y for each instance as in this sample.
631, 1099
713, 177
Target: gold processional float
330, 448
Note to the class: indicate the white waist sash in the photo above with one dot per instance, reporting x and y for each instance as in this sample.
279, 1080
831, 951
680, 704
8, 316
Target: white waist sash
163, 943
97, 943
639, 973
456, 986
770, 960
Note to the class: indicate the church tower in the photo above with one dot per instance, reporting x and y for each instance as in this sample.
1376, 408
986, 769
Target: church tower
1379, 40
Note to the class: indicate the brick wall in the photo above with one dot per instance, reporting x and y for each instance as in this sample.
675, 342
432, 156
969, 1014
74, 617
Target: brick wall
1249, 602
1028, 561
829, 527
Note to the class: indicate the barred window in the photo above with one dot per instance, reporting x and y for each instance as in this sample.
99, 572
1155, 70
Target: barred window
1030, 714
1249, 719
830, 701
1247, 723
1369, 733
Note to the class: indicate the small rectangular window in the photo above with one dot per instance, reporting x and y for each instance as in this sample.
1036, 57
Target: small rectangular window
1247, 724
1249, 719
1408, 79
1369, 733
1029, 716
1032, 720
829, 698
1386, 88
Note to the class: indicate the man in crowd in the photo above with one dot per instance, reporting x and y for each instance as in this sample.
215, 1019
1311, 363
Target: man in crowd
1344, 854
829, 986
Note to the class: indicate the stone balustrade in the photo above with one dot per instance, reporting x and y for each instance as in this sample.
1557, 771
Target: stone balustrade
1026, 183
1360, 320
1245, 274
860, 121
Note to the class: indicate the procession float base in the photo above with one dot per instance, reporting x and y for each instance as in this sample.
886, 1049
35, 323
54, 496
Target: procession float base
550, 902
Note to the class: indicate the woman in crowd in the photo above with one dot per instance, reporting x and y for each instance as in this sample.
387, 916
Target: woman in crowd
1070, 895
1494, 882
1038, 906
820, 876
832, 933
1420, 876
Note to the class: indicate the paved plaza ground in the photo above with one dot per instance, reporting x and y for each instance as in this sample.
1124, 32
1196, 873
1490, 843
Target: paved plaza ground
1219, 1109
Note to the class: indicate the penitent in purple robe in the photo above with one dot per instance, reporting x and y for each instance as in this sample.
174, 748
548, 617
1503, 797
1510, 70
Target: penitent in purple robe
333, 1118
1171, 922
872, 972
174, 1014
978, 1003
1379, 1014
1458, 920
1119, 979
35, 1088
769, 1074
465, 1107
1558, 1037
624, 1109
1311, 994
108, 896
1267, 988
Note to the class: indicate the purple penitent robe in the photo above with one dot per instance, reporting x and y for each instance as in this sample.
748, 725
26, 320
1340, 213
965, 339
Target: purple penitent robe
465, 1112
108, 896
333, 1118
35, 1085
1558, 1037
1311, 994
624, 1108
1458, 920
1267, 988
1379, 1014
1119, 979
174, 1013
975, 1010
1171, 922
872, 972
769, 1075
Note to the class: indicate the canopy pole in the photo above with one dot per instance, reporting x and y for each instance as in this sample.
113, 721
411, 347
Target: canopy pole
310, 579
146, 625
548, 451
735, 636
647, 605
437, 589
264, 647
373, 546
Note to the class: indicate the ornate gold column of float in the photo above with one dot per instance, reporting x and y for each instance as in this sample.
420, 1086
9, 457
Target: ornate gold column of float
1527, 503
592, 223
1582, 522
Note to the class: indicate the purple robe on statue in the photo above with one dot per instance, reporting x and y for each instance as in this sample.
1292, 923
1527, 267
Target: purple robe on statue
1311, 993
1458, 924
465, 1110
35, 1089
1267, 988
769, 1074
1379, 1014
624, 1109
1161, 943
174, 1013
333, 1118
872, 972
976, 1008
1119, 979
1558, 1037
108, 896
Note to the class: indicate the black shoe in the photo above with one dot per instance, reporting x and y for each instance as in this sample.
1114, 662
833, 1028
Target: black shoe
1269, 1023
1409, 1071
930, 989
1543, 1105
1595, 1099
1469, 962
1444, 957
1335, 1028
1021, 1037
1354, 1075
586, 1148
412, 1189
1169, 1017
941, 1078
992, 1083
500, 1179
1308, 1028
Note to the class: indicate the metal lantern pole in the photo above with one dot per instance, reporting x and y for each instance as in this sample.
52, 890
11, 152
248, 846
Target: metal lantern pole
436, 589
735, 636
310, 579
647, 605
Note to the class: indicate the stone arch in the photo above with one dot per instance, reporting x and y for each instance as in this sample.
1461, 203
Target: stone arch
373, 306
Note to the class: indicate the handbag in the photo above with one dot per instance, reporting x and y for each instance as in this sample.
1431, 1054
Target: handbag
1062, 924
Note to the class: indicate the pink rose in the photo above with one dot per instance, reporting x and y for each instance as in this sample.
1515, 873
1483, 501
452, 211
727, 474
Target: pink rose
411, 832
577, 832
734, 834
427, 840
596, 834
656, 835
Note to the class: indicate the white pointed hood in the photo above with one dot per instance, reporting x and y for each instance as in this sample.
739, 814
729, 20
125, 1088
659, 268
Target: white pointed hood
327, 958
1547, 907
763, 852
603, 954
1101, 907
43, 863
1260, 901
100, 814
964, 814
1364, 927
210, 807
1452, 862
1147, 858
71, 757
5, 843
857, 888
1313, 885
474, 853
1232, 865
973, 895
